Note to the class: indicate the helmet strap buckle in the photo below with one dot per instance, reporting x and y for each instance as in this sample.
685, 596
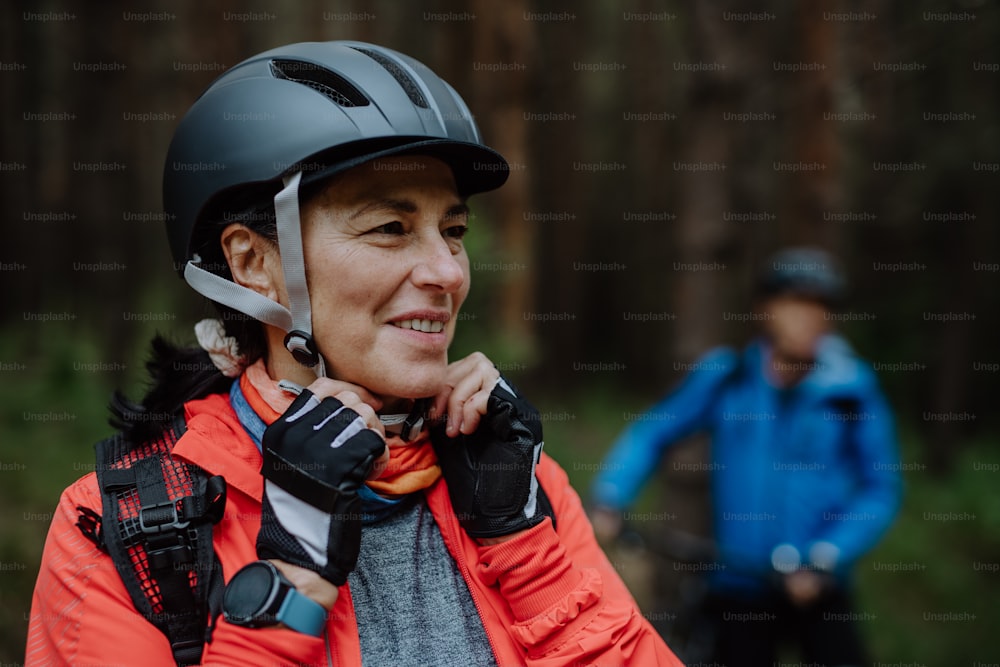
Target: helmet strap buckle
302, 347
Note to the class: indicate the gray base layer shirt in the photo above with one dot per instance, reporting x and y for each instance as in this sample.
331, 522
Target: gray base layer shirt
410, 600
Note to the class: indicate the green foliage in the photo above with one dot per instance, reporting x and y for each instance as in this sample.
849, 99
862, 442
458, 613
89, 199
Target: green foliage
52, 410
934, 581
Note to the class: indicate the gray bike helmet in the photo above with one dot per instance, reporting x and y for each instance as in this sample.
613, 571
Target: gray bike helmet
804, 271
296, 115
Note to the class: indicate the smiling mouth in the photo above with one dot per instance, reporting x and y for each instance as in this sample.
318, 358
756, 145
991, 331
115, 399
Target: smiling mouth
426, 326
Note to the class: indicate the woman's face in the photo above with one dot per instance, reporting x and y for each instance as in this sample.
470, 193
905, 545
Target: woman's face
387, 273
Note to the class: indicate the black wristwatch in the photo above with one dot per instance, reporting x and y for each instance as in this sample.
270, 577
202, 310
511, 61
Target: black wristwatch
259, 596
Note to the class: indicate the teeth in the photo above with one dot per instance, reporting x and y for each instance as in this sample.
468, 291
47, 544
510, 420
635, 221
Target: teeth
426, 326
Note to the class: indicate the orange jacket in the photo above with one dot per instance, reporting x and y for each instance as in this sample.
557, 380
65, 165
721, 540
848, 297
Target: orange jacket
546, 598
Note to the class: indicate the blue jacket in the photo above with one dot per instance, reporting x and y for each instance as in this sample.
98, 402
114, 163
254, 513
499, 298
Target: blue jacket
814, 466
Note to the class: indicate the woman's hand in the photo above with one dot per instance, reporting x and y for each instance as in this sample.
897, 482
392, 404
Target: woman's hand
361, 401
317, 456
488, 450
465, 394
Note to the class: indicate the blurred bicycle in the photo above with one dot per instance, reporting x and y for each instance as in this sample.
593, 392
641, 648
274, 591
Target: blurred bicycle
684, 611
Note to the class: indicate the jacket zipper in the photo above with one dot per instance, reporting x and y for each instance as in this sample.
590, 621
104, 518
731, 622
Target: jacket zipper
455, 538
467, 575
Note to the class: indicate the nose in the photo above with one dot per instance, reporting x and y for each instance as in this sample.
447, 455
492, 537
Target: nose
438, 267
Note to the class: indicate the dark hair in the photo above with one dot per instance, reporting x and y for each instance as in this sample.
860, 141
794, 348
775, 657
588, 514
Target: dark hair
178, 374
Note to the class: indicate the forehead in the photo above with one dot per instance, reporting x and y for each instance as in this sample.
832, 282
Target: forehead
415, 177
792, 301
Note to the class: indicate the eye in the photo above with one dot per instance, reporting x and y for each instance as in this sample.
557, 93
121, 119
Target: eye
394, 227
457, 232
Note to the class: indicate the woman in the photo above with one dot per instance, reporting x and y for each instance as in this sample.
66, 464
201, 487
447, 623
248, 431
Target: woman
393, 507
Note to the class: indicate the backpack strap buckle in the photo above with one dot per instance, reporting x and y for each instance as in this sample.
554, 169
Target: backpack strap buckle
167, 544
160, 517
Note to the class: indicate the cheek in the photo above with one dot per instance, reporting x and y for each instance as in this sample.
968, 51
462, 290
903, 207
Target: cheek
811, 322
463, 292
785, 328
342, 283
774, 322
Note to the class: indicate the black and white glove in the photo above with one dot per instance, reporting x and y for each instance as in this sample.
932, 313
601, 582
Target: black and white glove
491, 472
316, 457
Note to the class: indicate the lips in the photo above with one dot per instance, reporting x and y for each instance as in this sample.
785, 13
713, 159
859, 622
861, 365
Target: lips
429, 321
417, 324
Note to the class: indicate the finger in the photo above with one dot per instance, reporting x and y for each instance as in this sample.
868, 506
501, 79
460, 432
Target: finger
453, 375
323, 387
481, 377
458, 372
440, 404
303, 404
474, 409
353, 401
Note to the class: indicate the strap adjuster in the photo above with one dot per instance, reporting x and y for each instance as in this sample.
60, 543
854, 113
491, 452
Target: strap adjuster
159, 518
188, 652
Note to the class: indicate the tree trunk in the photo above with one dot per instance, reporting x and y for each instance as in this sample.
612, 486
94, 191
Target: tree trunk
503, 38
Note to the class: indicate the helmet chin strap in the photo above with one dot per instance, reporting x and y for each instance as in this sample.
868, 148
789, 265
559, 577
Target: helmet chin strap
298, 340
407, 426
296, 320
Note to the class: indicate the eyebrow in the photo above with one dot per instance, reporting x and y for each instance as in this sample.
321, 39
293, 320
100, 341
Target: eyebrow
457, 210
404, 206
386, 204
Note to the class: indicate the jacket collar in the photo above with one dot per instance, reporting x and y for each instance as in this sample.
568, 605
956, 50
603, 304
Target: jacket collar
216, 441
837, 371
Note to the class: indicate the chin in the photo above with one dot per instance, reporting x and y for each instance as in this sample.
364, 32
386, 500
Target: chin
801, 356
412, 384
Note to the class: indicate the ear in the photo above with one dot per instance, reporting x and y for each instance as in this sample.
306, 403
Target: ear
253, 260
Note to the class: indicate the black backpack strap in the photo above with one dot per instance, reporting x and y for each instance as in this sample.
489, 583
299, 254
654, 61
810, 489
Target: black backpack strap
157, 527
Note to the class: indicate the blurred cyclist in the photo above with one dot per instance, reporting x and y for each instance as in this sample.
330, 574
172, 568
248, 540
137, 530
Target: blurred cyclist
804, 469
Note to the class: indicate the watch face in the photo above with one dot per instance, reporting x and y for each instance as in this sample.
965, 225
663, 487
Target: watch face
250, 593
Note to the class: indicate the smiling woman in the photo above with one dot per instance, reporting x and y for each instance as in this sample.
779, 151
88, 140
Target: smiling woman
320, 473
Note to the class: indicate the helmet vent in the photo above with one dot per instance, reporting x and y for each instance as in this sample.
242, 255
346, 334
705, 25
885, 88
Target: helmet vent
320, 79
399, 74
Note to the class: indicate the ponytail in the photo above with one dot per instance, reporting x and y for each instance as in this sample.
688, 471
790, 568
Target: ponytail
177, 375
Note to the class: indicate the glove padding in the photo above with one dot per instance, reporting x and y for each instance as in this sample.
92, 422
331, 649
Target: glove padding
316, 457
491, 473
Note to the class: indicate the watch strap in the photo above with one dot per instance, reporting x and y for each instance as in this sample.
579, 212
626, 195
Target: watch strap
301, 613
